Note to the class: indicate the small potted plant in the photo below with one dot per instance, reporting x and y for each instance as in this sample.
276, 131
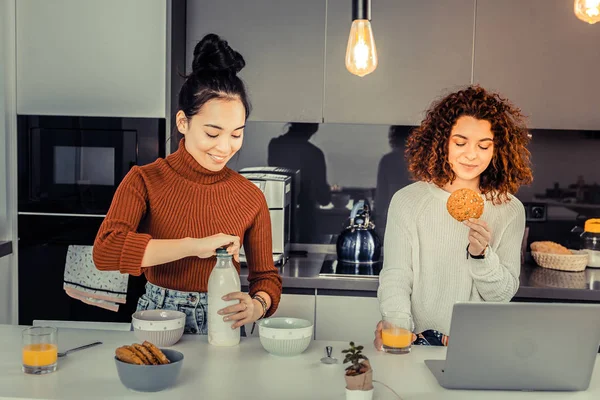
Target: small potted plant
359, 375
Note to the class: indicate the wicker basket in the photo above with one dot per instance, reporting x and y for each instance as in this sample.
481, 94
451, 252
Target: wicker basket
562, 262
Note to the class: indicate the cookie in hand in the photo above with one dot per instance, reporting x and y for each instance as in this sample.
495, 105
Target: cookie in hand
464, 204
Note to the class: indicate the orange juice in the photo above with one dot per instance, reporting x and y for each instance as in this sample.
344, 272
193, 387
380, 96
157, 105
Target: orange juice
396, 337
39, 354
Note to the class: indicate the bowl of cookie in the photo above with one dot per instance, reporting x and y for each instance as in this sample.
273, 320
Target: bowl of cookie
553, 255
146, 368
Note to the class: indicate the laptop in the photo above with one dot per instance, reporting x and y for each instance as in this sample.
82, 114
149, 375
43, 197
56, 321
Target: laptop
520, 346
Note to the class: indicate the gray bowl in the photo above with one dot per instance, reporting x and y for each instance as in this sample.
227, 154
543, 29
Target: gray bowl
151, 378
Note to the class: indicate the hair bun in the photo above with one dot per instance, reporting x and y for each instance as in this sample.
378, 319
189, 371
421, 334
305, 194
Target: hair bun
214, 54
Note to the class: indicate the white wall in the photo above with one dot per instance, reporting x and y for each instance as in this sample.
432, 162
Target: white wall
4, 225
8, 196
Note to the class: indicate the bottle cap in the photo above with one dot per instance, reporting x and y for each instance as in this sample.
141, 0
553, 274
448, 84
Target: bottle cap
221, 252
592, 225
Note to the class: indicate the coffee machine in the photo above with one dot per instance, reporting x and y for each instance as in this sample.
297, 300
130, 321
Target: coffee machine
278, 186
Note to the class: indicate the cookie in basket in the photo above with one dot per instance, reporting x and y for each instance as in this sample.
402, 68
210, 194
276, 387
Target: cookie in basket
549, 247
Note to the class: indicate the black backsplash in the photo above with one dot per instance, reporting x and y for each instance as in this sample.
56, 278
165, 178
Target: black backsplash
366, 162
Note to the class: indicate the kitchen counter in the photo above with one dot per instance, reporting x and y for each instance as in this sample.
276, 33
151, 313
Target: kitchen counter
241, 372
5, 248
301, 273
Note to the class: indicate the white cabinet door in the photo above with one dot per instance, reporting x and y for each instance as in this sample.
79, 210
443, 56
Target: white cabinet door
539, 55
292, 305
347, 318
424, 48
283, 43
92, 58
8, 265
6, 290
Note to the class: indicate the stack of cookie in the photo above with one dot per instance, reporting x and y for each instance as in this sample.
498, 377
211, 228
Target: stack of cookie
141, 354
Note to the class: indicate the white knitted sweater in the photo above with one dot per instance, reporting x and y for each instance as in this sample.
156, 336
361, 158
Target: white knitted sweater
425, 267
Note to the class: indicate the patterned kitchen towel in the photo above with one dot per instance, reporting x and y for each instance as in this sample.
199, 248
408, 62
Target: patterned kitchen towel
83, 281
107, 305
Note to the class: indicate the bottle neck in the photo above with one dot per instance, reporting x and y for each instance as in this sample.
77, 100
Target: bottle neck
224, 262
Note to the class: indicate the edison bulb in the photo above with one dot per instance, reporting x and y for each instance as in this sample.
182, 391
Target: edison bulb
361, 53
588, 10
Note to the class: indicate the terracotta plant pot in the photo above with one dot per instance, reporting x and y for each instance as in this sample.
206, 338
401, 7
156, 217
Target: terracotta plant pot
363, 381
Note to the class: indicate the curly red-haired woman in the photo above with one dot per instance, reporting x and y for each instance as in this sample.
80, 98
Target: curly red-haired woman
471, 139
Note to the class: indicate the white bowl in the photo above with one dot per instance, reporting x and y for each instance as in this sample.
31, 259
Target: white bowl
163, 328
283, 336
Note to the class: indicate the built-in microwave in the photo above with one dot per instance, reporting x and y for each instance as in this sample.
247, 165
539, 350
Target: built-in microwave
73, 165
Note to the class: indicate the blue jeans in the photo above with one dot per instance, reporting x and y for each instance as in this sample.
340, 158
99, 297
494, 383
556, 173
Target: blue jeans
193, 304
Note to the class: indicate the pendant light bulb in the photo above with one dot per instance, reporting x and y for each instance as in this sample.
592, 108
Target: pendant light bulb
588, 10
361, 53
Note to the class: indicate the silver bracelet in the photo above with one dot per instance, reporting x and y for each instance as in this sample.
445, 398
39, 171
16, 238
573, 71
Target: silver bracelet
263, 303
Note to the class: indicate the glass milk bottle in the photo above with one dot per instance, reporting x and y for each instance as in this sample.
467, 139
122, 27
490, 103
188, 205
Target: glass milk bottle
590, 241
223, 280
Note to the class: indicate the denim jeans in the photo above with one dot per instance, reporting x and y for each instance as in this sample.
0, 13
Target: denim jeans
193, 304
431, 337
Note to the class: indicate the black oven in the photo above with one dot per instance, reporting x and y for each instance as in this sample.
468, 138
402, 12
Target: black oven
68, 171
43, 244
73, 165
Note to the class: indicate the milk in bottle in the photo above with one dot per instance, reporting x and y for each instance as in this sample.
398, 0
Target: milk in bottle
223, 280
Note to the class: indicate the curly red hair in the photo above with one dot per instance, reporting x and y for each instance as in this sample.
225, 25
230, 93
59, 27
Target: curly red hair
427, 145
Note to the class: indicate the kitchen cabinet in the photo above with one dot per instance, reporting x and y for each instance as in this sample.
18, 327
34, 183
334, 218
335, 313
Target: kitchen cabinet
8, 173
424, 49
292, 305
92, 58
346, 318
547, 61
283, 43
6, 290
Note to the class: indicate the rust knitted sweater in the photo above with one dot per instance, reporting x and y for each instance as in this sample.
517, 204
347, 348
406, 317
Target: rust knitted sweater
175, 198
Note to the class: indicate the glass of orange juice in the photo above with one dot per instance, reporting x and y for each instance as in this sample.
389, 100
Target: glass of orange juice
397, 332
39, 350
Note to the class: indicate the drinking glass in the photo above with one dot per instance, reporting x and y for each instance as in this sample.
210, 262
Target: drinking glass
39, 350
397, 332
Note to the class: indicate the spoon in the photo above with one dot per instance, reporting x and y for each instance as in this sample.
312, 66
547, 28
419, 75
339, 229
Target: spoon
64, 353
329, 359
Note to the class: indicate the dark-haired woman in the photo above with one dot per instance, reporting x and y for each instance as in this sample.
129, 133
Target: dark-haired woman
168, 218
469, 139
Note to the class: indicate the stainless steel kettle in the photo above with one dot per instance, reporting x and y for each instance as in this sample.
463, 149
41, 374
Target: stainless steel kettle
358, 243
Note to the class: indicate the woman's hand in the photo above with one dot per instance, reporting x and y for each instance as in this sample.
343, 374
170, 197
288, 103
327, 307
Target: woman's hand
207, 247
378, 342
480, 236
246, 311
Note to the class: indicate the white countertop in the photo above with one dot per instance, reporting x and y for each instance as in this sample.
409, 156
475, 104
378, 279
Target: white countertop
242, 372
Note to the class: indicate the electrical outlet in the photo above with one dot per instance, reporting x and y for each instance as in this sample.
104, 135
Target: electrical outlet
535, 212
